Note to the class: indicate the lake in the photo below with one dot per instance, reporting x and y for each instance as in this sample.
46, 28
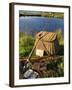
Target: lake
32, 24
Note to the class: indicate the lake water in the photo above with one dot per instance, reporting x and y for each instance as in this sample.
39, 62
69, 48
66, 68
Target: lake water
32, 24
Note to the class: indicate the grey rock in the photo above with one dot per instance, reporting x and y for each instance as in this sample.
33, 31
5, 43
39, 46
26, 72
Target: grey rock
30, 74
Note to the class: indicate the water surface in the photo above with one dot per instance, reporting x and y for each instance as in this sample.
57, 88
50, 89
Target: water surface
32, 24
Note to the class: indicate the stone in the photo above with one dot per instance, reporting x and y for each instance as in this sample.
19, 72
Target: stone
30, 74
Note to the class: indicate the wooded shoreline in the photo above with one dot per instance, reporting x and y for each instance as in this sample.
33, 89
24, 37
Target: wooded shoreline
45, 14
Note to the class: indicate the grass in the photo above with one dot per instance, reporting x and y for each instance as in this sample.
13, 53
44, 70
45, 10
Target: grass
54, 69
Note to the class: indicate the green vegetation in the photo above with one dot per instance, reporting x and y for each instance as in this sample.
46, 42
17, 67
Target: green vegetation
56, 71
26, 43
52, 15
42, 14
60, 37
61, 42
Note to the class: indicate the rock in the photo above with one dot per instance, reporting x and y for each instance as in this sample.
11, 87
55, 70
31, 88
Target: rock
34, 75
30, 74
